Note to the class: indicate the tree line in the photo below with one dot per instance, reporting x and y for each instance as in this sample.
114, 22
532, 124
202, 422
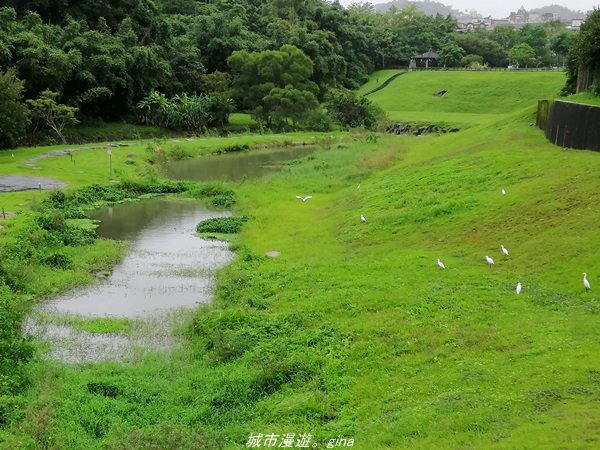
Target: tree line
111, 60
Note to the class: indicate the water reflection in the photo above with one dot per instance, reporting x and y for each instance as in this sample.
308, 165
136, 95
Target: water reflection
236, 166
166, 271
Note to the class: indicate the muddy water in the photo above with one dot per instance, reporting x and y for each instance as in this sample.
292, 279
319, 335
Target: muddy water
167, 271
236, 166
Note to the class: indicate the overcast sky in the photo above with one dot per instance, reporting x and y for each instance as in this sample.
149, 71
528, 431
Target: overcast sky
504, 7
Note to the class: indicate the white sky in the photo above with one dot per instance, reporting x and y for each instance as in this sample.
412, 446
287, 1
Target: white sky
502, 8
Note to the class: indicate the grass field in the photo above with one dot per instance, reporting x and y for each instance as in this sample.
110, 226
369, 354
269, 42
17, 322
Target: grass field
90, 163
354, 331
472, 97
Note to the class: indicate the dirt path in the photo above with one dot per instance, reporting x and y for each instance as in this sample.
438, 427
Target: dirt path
13, 183
32, 161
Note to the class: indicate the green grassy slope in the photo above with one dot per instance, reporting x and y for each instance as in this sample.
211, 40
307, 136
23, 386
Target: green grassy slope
354, 331
472, 97
585, 97
376, 79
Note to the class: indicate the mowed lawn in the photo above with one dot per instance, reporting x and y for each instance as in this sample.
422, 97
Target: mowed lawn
471, 98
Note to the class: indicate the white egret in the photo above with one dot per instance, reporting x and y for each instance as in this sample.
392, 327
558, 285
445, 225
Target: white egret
13, 155
358, 187
586, 283
363, 218
503, 192
504, 250
518, 288
489, 260
441, 264
308, 197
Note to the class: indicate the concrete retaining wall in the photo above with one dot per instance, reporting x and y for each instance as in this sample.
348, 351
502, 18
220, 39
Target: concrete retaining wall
572, 125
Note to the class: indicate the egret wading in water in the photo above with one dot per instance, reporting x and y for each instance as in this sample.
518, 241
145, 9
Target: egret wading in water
363, 218
518, 288
586, 283
489, 260
308, 197
504, 250
440, 263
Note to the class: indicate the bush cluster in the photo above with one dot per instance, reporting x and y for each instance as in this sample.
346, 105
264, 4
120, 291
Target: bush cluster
225, 225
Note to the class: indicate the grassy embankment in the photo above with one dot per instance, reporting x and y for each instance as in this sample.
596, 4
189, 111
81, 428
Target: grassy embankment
473, 98
584, 97
354, 331
377, 79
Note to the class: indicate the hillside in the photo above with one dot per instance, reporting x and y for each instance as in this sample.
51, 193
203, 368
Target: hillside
471, 98
430, 8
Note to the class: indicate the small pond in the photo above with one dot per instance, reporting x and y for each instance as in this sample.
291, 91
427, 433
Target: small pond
236, 166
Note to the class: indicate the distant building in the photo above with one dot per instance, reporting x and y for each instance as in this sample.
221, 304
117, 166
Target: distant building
575, 24
466, 26
520, 16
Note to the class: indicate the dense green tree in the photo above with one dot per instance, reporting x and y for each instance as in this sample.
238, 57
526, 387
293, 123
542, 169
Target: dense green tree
104, 56
289, 103
56, 116
560, 45
351, 110
257, 74
451, 54
583, 61
216, 82
523, 54
478, 44
506, 36
536, 37
14, 115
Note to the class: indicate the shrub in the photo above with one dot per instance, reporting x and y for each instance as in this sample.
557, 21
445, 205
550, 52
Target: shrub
317, 120
178, 153
58, 261
350, 110
233, 148
224, 200
225, 225
52, 221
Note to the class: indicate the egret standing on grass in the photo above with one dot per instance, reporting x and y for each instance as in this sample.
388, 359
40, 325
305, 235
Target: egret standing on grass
504, 250
441, 264
358, 187
308, 197
503, 192
586, 283
489, 260
363, 218
519, 287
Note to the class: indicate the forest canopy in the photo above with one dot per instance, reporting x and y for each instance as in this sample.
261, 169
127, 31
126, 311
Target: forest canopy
103, 57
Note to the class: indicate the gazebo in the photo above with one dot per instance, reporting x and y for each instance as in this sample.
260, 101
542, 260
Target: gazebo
428, 58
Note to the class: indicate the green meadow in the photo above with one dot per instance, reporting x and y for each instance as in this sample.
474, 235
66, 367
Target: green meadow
354, 332
472, 98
